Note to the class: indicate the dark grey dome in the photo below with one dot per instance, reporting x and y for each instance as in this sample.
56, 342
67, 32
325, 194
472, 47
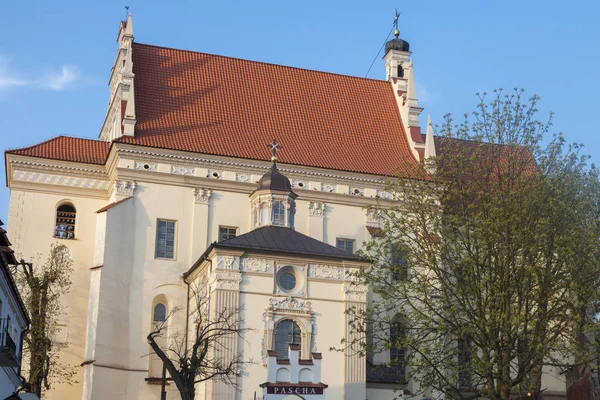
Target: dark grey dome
274, 180
397, 44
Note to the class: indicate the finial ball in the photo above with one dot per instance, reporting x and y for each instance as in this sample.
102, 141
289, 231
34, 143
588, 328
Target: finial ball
396, 32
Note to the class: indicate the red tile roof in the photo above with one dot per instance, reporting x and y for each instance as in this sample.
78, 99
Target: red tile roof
226, 106
111, 205
66, 148
218, 105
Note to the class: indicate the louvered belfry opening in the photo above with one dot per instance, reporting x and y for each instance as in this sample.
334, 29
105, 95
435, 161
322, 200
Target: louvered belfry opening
65, 222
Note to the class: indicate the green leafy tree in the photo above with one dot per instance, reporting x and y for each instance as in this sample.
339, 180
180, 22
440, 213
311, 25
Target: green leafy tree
42, 286
490, 264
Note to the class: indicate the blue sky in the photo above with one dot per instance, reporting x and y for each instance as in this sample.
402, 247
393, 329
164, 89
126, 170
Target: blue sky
55, 57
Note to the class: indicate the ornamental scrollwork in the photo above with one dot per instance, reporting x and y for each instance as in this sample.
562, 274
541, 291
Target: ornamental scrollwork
201, 195
316, 209
125, 188
325, 272
256, 265
355, 293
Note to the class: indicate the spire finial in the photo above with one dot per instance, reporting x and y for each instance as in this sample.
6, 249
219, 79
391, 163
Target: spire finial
274, 147
126, 12
396, 31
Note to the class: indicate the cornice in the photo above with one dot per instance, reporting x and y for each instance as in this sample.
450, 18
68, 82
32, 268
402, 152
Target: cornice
31, 163
259, 166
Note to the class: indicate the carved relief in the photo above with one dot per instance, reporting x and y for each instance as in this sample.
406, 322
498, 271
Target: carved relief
325, 272
373, 217
228, 262
242, 178
256, 265
289, 303
144, 166
355, 292
327, 188
316, 209
201, 195
124, 188
61, 180
384, 195
226, 281
178, 170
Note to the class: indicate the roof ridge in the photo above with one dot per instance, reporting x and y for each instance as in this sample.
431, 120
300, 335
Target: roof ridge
263, 62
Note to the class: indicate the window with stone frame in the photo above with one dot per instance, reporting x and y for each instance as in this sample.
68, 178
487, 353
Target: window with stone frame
227, 232
278, 213
345, 244
165, 239
65, 221
286, 332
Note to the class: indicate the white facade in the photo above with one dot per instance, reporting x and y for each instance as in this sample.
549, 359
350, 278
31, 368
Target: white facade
124, 268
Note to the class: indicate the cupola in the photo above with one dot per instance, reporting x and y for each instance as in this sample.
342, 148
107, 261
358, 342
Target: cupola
273, 202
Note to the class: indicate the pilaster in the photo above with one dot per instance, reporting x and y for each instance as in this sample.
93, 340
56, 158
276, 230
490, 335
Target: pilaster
224, 285
199, 235
355, 375
316, 217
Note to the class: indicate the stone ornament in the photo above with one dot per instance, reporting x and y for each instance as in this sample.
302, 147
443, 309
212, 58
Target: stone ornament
124, 188
316, 209
256, 265
289, 303
325, 272
144, 166
201, 195
228, 262
187, 171
226, 281
355, 293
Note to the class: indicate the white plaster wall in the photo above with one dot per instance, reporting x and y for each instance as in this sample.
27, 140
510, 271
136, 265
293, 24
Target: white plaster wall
31, 228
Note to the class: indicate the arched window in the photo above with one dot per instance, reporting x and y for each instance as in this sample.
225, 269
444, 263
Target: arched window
160, 313
278, 213
286, 332
398, 348
65, 221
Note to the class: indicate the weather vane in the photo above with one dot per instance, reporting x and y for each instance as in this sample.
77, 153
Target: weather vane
396, 31
126, 11
274, 147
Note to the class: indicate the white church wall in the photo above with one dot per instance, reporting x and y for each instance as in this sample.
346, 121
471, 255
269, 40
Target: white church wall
31, 225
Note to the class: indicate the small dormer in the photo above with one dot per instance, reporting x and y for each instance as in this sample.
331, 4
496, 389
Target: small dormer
273, 202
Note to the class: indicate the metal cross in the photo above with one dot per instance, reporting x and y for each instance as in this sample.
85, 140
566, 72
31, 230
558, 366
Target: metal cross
396, 31
274, 147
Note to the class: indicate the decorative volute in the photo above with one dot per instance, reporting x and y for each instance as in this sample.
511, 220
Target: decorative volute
273, 202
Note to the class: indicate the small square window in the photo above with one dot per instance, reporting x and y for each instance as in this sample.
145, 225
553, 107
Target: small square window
227, 232
165, 239
345, 244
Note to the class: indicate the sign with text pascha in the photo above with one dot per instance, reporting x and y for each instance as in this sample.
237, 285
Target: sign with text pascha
294, 390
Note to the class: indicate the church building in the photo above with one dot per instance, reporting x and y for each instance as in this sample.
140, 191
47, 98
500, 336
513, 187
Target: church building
186, 186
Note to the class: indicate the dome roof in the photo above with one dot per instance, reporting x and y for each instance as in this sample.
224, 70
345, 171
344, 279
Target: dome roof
274, 180
397, 44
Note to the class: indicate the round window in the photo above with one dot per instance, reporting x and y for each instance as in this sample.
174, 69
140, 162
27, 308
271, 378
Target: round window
287, 281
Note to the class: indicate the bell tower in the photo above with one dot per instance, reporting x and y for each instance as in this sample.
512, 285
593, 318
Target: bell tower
120, 117
399, 71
